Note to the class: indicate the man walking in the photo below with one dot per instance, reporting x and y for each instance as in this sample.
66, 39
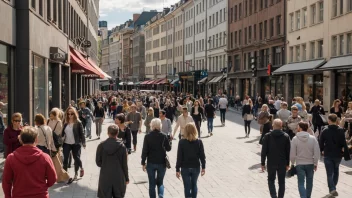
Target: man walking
332, 144
305, 153
111, 157
86, 117
182, 121
276, 147
134, 120
166, 127
223, 106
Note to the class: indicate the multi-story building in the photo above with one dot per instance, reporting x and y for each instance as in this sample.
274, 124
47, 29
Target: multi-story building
138, 39
115, 50
319, 51
55, 51
217, 39
126, 48
256, 32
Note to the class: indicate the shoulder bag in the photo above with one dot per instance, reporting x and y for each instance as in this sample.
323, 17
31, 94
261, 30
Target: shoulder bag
51, 153
167, 161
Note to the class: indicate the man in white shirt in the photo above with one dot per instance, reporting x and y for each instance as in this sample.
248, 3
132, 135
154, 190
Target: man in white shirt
277, 103
182, 121
166, 126
223, 106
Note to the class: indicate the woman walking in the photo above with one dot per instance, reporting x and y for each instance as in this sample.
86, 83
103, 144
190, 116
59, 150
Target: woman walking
73, 135
317, 111
264, 120
247, 115
124, 131
210, 114
155, 146
336, 108
197, 114
190, 157
11, 134
150, 117
45, 135
99, 114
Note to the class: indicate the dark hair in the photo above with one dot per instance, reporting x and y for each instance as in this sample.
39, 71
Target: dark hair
333, 118
303, 125
113, 130
53, 112
211, 101
28, 135
121, 117
163, 112
39, 119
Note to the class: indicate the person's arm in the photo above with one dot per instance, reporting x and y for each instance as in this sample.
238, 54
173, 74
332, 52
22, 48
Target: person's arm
145, 150
125, 164
50, 172
167, 144
176, 127
179, 157
322, 141
140, 123
288, 148
322, 111
264, 151
202, 154
7, 177
8, 140
316, 152
81, 134
169, 131
98, 155
293, 153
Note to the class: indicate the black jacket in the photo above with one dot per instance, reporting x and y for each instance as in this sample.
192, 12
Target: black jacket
155, 146
200, 113
126, 137
170, 112
111, 157
246, 110
77, 133
276, 147
190, 154
339, 113
316, 111
209, 111
332, 141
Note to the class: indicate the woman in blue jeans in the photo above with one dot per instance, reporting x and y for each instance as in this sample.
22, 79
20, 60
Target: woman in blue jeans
209, 111
154, 152
190, 157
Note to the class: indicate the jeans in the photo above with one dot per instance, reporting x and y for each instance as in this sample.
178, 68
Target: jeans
190, 177
305, 172
198, 123
134, 136
319, 130
281, 174
98, 126
210, 125
89, 127
332, 171
76, 153
160, 170
247, 126
222, 115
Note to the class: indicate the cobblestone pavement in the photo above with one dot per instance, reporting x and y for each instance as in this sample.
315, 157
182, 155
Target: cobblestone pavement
233, 169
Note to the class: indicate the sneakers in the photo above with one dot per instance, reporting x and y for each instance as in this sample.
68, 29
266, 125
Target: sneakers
211, 134
81, 174
75, 177
334, 193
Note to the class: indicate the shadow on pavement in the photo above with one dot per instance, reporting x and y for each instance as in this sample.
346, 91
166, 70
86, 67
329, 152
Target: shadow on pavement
254, 140
240, 138
73, 190
140, 182
255, 166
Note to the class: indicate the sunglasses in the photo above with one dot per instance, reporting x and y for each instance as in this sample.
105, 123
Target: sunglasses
70, 114
16, 120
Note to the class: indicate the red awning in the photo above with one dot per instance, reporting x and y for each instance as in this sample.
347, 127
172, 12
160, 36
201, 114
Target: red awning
151, 82
162, 81
145, 82
81, 65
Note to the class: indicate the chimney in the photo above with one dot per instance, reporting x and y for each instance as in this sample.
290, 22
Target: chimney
135, 17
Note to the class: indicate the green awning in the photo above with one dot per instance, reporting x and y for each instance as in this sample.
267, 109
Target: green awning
175, 81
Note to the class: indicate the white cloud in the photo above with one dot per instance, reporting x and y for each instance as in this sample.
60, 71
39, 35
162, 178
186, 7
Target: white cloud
107, 6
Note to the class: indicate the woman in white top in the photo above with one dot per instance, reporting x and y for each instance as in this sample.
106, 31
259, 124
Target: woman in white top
45, 135
54, 122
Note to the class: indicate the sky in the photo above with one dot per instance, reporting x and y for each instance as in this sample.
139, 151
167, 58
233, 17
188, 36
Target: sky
116, 12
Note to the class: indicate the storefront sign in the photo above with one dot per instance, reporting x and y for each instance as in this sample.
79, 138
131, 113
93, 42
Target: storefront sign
56, 54
344, 70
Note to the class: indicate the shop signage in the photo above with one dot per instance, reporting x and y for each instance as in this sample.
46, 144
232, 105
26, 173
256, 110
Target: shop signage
56, 54
344, 70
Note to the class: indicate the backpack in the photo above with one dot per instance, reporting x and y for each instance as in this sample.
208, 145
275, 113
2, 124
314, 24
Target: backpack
58, 141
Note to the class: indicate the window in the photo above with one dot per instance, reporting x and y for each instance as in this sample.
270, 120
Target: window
334, 46
240, 37
255, 32
39, 85
209, 22
240, 11
312, 50
245, 8
278, 25
342, 42
249, 34
291, 22
341, 7
334, 8
304, 52
304, 17
291, 54
298, 53
272, 27
55, 10
60, 14
349, 9
245, 36
41, 7
250, 6
349, 43
235, 13
48, 9
321, 49
321, 11
265, 28
235, 39
217, 18
221, 16
298, 20
231, 40
260, 31
33, 4
314, 14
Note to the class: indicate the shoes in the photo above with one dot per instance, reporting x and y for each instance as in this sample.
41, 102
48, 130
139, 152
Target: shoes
81, 174
135, 148
70, 181
334, 193
211, 134
90, 137
75, 177
98, 137
69, 166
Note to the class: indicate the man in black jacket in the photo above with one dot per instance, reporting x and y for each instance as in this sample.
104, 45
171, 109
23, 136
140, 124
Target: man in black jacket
276, 147
333, 146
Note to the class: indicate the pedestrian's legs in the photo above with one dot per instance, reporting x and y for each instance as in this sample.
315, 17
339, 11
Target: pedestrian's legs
197, 123
89, 128
329, 167
337, 162
301, 174
100, 126
134, 136
309, 174
249, 126
210, 122
194, 178
281, 174
152, 182
271, 181
66, 149
160, 179
76, 153
186, 178
70, 159
222, 115
208, 125
97, 125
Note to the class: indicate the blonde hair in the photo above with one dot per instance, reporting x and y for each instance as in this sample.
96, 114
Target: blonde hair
190, 133
250, 103
75, 115
335, 101
266, 106
301, 101
151, 108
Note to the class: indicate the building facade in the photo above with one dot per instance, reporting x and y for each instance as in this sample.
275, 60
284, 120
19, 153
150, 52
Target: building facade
256, 31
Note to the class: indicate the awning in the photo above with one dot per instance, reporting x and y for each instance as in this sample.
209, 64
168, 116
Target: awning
83, 65
175, 81
98, 68
162, 81
137, 83
151, 82
338, 63
216, 79
299, 67
203, 80
130, 83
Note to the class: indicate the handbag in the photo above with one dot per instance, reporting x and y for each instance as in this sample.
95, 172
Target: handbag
292, 172
167, 161
249, 117
323, 119
58, 141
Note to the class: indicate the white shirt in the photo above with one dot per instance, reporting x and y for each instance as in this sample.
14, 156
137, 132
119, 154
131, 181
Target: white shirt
223, 103
69, 139
45, 137
277, 104
181, 122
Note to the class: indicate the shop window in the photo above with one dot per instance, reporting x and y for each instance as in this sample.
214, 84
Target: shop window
308, 87
344, 88
4, 81
319, 90
321, 49
342, 42
297, 85
39, 86
334, 46
349, 43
